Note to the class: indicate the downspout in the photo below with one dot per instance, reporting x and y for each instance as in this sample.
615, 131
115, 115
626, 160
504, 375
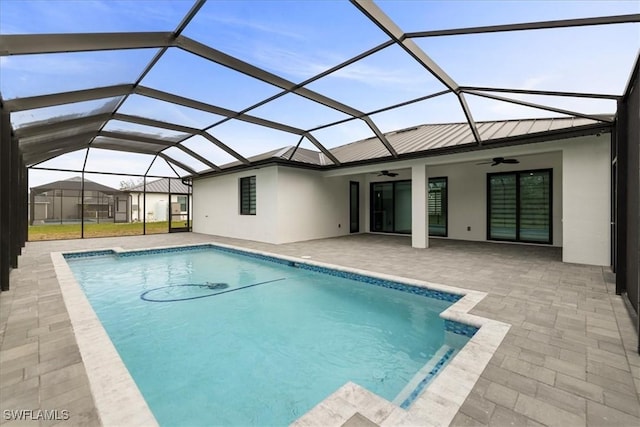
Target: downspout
82, 206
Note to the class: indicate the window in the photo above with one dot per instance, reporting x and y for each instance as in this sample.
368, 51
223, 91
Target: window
183, 203
519, 206
438, 207
248, 195
391, 207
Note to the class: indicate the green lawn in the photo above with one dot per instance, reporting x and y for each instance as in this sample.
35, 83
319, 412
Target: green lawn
106, 229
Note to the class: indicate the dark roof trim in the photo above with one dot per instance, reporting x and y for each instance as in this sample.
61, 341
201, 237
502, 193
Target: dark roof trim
546, 136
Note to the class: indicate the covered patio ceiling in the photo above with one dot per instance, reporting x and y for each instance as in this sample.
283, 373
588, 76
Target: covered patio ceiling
188, 88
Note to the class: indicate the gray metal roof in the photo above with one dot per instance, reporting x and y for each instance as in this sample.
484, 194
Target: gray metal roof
100, 118
440, 136
162, 186
75, 183
423, 138
300, 155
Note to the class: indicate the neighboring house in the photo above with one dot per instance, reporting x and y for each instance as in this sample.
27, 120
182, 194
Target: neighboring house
61, 202
554, 188
156, 203
41, 206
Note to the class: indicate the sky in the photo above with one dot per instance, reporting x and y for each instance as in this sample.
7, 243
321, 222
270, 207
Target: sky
297, 40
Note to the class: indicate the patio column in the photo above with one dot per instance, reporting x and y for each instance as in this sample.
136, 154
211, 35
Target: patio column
419, 217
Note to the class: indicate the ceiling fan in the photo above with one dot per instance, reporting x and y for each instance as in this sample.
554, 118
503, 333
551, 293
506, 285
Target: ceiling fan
387, 173
499, 160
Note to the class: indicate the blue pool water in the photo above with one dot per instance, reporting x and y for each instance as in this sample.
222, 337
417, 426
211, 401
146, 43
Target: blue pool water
217, 338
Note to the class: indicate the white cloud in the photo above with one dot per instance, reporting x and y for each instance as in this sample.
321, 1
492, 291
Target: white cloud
51, 64
290, 62
374, 75
253, 25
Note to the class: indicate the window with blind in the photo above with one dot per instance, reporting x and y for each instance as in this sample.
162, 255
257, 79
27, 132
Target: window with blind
438, 206
248, 195
519, 206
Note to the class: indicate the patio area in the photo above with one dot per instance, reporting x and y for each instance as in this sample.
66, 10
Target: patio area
570, 358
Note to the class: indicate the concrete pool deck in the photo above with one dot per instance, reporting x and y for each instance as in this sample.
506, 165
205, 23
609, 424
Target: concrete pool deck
569, 358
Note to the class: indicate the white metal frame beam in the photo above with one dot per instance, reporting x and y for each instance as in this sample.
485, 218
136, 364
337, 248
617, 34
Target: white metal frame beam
563, 23
224, 147
539, 106
155, 123
228, 61
42, 101
47, 128
62, 43
542, 92
198, 157
181, 165
32, 159
29, 44
76, 140
203, 106
118, 147
188, 130
378, 17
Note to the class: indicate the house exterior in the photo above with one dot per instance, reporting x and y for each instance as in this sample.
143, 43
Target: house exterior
156, 201
557, 194
62, 202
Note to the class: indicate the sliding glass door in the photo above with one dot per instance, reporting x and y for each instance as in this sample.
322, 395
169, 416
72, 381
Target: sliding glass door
519, 206
535, 206
354, 206
391, 207
438, 207
402, 207
502, 207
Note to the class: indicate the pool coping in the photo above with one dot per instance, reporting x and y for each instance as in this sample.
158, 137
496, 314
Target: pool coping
119, 401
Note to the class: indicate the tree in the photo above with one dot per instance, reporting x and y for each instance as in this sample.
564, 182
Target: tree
130, 183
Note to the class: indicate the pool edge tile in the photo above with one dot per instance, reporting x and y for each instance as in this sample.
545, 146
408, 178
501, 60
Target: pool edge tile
116, 396
431, 408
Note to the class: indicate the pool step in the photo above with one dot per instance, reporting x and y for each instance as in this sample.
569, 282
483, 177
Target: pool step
403, 398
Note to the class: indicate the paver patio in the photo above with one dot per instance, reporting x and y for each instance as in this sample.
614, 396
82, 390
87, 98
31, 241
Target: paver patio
570, 358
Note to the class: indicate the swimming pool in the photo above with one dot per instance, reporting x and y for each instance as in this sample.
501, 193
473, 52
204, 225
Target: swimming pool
261, 340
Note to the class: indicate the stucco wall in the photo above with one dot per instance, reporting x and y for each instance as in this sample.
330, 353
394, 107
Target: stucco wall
312, 207
291, 205
297, 204
216, 206
467, 192
587, 201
